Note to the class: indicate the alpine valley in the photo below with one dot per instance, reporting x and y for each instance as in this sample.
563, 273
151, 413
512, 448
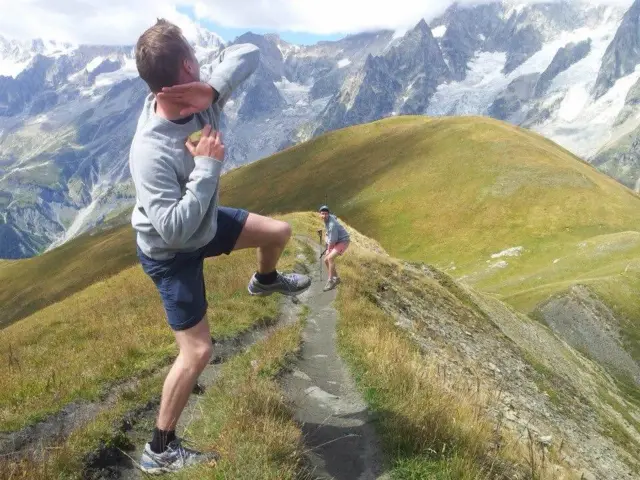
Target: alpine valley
564, 69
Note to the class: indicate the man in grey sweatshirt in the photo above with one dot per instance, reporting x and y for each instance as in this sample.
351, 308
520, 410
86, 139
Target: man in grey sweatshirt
177, 218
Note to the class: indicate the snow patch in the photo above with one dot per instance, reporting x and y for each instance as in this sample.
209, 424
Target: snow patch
577, 122
509, 252
344, 62
500, 264
127, 71
12, 68
294, 93
439, 31
93, 64
476, 92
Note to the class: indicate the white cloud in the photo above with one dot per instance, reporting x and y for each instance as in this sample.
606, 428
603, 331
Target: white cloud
122, 21
320, 17
86, 21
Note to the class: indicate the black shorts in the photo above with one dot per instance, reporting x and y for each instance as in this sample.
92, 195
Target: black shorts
180, 280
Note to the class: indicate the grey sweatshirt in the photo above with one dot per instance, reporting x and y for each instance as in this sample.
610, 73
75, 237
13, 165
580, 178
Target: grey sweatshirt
336, 233
176, 194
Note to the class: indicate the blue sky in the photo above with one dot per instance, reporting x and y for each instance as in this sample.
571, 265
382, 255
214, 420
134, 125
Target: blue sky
230, 33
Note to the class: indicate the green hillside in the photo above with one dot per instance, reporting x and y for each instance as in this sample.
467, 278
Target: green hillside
453, 192
31, 284
448, 191
500, 209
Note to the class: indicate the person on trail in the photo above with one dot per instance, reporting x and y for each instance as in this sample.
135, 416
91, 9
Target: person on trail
178, 220
337, 241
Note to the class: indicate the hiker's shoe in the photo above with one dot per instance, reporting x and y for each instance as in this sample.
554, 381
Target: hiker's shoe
287, 284
174, 458
329, 285
336, 281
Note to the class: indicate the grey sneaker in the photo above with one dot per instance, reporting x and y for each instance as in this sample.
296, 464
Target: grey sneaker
174, 458
329, 285
287, 284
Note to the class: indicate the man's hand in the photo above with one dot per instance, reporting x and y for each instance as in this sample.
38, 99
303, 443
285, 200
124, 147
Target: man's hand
210, 145
193, 97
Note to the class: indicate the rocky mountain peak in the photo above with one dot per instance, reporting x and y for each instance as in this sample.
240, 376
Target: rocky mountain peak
623, 54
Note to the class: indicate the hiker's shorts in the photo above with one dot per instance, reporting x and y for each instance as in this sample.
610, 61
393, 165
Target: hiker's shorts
180, 280
339, 247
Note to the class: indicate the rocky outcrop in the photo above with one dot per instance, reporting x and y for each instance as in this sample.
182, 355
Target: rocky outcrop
623, 54
589, 326
402, 80
565, 57
519, 92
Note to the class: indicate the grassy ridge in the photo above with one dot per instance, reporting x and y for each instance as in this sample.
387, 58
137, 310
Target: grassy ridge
452, 192
453, 189
31, 284
430, 428
243, 417
447, 191
117, 328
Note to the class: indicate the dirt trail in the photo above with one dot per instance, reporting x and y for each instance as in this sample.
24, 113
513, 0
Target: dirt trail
340, 438
335, 421
33, 439
113, 463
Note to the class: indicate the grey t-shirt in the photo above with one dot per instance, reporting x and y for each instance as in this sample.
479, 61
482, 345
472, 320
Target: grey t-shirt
177, 194
336, 233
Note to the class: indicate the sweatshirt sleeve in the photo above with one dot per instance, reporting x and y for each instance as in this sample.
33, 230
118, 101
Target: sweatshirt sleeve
175, 215
233, 66
332, 233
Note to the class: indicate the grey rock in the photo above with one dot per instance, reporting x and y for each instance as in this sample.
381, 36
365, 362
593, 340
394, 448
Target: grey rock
564, 58
519, 92
623, 53
631, 104
621, 159
416, 61
590, 326
545, 440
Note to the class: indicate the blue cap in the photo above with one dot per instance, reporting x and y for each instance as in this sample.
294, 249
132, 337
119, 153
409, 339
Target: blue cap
323, 208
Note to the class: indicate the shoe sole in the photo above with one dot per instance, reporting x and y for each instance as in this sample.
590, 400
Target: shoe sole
288, 294
156, 471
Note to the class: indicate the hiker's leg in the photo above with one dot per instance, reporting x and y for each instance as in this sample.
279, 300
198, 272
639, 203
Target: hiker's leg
239, 229
268, 235
195, 352
331, 263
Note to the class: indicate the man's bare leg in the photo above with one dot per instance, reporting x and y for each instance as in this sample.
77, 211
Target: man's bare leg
331, 264
195, 352
269, 236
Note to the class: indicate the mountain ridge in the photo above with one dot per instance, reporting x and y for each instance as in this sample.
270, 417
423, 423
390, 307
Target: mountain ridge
482, 54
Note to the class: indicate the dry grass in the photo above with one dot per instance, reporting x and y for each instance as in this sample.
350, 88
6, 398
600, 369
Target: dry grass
245, 419
32, 284
432, 424
111, 331
66, 460
122, 316
453, 190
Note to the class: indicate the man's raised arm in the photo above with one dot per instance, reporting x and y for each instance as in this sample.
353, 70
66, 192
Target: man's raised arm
233, 67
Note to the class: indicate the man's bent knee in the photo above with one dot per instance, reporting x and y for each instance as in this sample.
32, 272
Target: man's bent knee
200, 355
285, 232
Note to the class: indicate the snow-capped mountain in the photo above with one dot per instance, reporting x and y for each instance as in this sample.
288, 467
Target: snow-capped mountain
566, 69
